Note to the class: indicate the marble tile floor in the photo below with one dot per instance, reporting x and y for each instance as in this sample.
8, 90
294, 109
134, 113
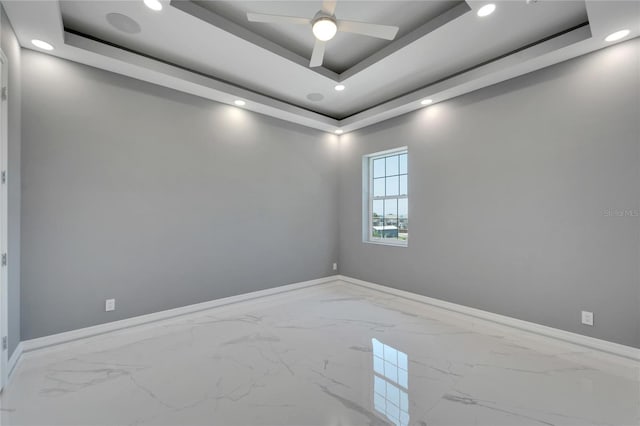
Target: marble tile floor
332, 354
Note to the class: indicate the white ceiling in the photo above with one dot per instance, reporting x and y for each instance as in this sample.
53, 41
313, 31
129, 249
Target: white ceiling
206, 48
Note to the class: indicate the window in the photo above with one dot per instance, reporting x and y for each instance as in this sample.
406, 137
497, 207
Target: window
386, 202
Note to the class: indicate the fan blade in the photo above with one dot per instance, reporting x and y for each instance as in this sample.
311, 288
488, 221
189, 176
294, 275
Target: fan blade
328, 7
386, 32
261, 17
318, 54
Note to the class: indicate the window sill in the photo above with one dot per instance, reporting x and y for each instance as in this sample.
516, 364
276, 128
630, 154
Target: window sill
386, 243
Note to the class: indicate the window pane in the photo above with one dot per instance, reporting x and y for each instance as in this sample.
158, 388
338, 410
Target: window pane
392, 165
377, 216
403, 185
403, 219
390, 228
391, 218
391, 209
403, 207
392, 185
378, 168
403, 164
378, 187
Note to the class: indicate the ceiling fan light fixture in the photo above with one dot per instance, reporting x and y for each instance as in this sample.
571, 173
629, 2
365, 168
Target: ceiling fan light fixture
324, 29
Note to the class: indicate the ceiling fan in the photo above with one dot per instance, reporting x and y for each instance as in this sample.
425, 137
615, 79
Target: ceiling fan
325, 25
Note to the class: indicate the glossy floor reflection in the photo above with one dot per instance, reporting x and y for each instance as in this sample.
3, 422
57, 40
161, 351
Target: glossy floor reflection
333, 354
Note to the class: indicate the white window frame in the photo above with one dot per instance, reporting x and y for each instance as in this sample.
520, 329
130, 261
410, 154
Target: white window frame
368, 198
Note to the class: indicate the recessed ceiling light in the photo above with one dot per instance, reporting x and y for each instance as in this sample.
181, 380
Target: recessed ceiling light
153, 4
339, 132
239, 102
324, 28
41, 44
486, 10
426, 101
339, 87
617, 35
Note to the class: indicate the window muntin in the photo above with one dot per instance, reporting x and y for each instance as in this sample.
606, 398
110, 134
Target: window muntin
387, 212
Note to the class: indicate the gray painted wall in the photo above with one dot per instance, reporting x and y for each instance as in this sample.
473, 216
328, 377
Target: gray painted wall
160, 199
11, 49
509, 189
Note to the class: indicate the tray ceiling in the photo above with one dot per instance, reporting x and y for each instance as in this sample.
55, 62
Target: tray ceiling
345, 50
443, 49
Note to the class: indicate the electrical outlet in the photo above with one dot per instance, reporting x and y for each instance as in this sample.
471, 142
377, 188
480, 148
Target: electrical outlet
587, 318
110, 305
335, 266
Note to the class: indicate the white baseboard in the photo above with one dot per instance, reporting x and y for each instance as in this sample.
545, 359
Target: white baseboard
69, 336
554, 333
14, 361
543, 330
